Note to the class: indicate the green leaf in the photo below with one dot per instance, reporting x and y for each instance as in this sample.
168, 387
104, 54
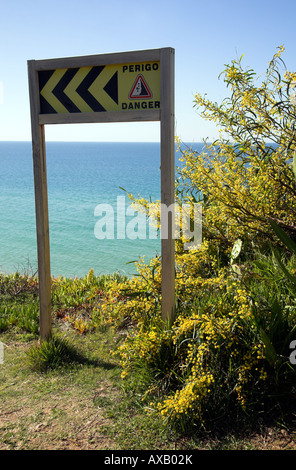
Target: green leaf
288, 275
285, 239
269, 350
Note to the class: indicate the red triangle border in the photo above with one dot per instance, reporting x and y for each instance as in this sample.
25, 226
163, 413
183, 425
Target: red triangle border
140, 76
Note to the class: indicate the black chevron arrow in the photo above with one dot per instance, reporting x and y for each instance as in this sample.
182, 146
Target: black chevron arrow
58, 91
112, 87
45, 107
82, 89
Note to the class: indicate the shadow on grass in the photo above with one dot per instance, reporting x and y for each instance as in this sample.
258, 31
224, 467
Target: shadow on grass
58, 353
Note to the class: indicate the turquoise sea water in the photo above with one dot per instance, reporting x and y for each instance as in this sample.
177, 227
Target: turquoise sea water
80, 177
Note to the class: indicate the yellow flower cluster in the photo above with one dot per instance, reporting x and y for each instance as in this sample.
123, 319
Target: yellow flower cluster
280, 51
233, 73
189, 399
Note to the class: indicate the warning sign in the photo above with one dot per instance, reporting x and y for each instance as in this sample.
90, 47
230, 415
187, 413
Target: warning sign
110, 87
140, 89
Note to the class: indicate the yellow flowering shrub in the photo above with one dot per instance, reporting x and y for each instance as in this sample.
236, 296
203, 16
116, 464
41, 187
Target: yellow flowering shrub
220, 352
211, 318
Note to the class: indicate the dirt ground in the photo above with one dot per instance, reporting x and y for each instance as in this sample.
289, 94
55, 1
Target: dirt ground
53, 424
41, 428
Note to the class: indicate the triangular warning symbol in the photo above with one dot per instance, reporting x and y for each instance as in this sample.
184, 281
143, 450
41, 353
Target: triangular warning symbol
140, 89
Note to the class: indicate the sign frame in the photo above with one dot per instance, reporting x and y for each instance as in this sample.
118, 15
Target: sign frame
165, 114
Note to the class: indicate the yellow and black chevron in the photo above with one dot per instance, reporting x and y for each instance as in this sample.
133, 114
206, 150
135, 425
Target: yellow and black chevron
78, 90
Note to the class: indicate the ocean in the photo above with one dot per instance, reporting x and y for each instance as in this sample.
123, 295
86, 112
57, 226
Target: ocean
81, 177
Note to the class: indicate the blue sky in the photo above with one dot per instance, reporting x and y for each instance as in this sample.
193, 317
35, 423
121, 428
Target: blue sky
206, 34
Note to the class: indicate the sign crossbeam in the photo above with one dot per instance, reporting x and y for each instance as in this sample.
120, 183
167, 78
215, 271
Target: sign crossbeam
118, 87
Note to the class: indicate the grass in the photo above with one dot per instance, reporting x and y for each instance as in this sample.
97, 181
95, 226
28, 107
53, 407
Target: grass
52, 409
68, 393
76, 404
86, 405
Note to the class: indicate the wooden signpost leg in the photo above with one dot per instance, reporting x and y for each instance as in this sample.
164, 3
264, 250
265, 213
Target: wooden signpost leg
42, 237
167, 183
41, 207
39, 159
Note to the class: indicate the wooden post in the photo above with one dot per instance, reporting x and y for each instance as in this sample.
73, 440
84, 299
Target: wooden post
167, 119
41, 206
